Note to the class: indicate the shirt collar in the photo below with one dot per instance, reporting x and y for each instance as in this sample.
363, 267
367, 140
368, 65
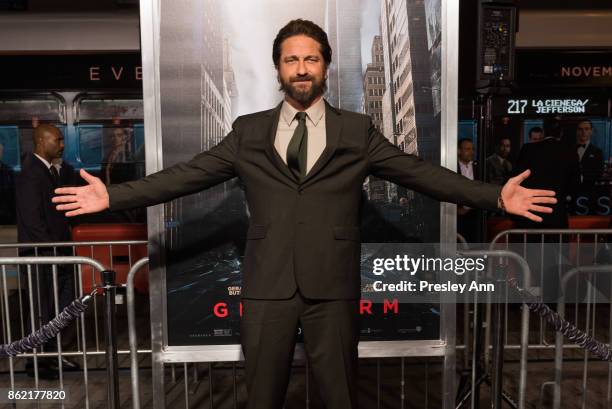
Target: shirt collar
47, 164
315, 112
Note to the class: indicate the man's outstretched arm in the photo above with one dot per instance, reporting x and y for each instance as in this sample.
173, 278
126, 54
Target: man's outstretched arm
203, 171
390, 163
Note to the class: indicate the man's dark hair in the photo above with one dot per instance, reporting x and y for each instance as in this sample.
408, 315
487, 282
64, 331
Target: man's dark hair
535, 129
588, 121
302, 27
462, 140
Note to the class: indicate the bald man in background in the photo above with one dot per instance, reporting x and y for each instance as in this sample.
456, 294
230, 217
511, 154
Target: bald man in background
38, 221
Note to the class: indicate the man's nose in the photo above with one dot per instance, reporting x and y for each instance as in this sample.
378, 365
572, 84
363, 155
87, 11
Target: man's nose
302, 67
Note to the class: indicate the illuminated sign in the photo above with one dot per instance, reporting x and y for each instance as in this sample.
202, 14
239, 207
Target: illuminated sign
581, 105
546, 106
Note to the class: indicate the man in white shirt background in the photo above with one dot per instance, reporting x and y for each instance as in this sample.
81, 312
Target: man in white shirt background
468, 223
590, 164
38, 222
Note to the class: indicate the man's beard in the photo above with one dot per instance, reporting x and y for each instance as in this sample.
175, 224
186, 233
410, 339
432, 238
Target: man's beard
304, 97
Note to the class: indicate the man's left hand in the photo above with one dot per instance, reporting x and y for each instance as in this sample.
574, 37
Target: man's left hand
522, 201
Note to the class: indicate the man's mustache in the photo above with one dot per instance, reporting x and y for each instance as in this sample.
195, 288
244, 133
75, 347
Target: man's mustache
304, 78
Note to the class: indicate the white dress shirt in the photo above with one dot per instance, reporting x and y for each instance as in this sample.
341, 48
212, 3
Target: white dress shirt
467, 169
581, 150
57, 164
315, 123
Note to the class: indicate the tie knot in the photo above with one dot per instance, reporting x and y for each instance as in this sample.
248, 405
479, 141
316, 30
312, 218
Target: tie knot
301, 116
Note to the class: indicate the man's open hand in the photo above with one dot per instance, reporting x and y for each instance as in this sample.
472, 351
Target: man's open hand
522, 201
83, 199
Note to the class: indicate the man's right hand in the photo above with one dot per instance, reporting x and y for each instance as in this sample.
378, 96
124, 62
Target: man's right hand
83, 199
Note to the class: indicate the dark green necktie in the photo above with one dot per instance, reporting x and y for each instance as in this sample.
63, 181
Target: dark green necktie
298, 147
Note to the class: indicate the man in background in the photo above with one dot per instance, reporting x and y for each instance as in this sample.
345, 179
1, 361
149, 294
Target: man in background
553, 166
7, 192
468, 220
498, 165
590, 155
117, 165
591, 163
38, 222
536, 134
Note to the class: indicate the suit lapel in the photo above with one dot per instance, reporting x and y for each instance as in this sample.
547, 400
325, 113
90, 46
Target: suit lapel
333, 130
273, 117
41, 166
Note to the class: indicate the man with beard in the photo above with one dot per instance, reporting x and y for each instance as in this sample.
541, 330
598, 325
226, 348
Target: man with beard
303, 165
39, 222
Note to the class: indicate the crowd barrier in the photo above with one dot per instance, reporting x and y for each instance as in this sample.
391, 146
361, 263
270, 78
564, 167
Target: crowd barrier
387, 380
390, 385
583, 262
83, 342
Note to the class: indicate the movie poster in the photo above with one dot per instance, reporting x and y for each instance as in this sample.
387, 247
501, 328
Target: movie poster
216, 64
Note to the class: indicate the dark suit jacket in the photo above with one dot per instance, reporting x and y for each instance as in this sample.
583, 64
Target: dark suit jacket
591, 165
468, 223
37, 218
7, 195
555, 167
498, 171
302, 234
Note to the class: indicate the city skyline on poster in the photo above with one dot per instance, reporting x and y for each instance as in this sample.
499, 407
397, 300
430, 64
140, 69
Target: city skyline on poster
216, 65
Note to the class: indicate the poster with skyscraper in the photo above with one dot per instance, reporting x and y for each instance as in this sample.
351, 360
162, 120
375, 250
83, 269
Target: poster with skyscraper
215, 65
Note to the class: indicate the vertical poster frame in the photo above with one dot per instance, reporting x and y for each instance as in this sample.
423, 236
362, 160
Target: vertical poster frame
150, 18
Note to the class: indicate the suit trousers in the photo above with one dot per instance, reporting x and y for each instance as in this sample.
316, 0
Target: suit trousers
330, 328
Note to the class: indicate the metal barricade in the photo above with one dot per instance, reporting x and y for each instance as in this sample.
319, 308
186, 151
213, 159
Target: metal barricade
578, 241
19, 293
589, 330
582, 251
54, 262
476, 377
131, 313
389, 376
387, 379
